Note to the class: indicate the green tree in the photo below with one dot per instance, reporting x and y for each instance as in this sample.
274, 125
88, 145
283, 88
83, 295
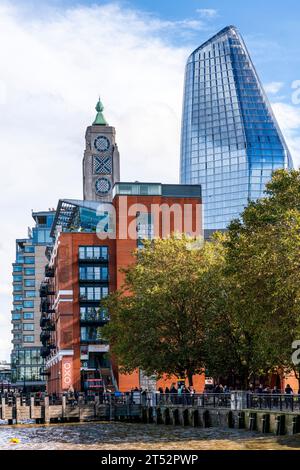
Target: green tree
157, 319
262, 272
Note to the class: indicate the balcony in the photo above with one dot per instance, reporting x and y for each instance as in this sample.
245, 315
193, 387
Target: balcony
45, 306
45, 337
47, 323
93, 278
94, 317
93, 259
45, 351
46, 289
49, 272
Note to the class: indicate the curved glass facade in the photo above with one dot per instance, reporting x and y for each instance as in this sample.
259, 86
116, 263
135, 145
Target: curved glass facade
230, 140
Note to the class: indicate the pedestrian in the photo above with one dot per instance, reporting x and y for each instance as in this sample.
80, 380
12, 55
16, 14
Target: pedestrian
275, 396
289, 396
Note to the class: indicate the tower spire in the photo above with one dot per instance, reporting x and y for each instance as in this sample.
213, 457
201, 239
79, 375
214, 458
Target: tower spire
100, 119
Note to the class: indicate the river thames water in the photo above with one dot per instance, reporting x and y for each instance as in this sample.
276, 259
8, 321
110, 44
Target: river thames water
132, 436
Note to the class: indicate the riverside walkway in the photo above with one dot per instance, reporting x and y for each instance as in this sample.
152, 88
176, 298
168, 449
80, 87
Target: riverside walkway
266, 413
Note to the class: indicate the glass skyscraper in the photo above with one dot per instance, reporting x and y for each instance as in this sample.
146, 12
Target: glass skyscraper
230, 139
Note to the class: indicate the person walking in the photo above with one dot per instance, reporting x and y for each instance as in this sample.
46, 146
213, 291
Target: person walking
289, 396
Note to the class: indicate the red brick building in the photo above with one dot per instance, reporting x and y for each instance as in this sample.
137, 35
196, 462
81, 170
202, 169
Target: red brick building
93, 241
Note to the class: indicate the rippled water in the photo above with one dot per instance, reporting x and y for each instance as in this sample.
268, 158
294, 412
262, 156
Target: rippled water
115, 436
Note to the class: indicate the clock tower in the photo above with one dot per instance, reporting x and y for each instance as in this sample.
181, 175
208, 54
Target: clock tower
101, 161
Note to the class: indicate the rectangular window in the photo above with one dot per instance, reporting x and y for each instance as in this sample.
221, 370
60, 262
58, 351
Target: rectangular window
17, 269
16, 316
28, 315
93, 273
17, 278
18, 298
93, 252
29, 283
28, 338
28, 327
29, 249
17, 288
29, 260
29, 272
29, 294
28, 304
93, 293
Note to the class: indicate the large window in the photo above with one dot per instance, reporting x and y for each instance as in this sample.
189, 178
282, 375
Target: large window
29, 283
18, 298
88, 333
29, 249
17, 278
29, 260
93, 293
28, 338
29, 272
17, 288
93, 273
17, 269
28, 304
93, 252
93, 314
28, 326
16, 316
29, 294
28, 315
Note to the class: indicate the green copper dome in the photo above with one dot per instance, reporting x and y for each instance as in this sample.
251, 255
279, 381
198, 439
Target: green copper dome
100, 119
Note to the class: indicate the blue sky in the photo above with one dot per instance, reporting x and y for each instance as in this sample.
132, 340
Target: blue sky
57, 56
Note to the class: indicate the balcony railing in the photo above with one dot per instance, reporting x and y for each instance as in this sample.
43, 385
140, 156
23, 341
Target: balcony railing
45, 351
46, 322
93, 317
93, 339
45, 306
93, 258
93, 278
49, 272
45, 336
46, 289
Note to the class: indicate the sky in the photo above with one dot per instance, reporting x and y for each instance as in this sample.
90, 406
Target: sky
57, 57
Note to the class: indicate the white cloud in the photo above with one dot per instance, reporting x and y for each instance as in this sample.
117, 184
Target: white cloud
288, 117
273, 87
207, 12
53, 66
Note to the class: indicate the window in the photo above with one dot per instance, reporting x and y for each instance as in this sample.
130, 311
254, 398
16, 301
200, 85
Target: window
93, 314
29, 283
28, 327
93, 293
93, 252
29, 272
93, 273
28, 338
17, 278
28, 304
88, 333
17, 288
18, 298
29, 260
17, 269
28, 315
29, 294
29, 249
16, 316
